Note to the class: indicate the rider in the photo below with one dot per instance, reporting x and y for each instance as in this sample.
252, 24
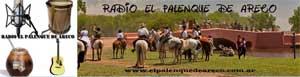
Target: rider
196, 33
120, 37
143, 34
166, 33
153, 31
84, 36
97, 33
184, 33
211, 41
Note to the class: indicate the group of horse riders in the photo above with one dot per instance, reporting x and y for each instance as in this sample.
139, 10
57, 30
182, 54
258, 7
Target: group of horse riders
83, 35
84, 43
143, 34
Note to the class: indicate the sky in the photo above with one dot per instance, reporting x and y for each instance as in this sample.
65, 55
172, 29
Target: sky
285, 8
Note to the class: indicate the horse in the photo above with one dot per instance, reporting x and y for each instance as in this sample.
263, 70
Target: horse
117, 44
98, 46
154, 39
193, 46
174, 44
141, 47
206, 47
81, 50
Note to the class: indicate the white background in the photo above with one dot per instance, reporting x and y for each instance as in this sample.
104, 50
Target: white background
41, 50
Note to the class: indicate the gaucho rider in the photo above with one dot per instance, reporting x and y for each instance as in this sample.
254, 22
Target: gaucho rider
166, 35
143, 34
97, 33
120, 37
196, 32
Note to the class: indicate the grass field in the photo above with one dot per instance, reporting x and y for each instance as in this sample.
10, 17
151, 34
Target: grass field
262, 66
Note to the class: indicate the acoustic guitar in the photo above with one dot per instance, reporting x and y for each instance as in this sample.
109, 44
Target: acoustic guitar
57, 67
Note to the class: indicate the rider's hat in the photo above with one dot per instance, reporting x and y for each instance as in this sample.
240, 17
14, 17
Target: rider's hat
166, 27
142, 25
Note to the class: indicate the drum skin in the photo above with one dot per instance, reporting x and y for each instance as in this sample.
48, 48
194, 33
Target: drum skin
19, 62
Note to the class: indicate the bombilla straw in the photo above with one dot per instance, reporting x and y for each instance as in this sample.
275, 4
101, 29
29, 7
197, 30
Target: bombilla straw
12, 45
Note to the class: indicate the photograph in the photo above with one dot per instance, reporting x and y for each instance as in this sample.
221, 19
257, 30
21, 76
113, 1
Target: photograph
188, 37
149, 38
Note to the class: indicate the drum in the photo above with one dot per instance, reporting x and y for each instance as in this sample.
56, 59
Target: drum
59, 12
19, 62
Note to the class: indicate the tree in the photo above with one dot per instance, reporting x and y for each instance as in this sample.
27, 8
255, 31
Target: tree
263, 20
295, 20
81, 6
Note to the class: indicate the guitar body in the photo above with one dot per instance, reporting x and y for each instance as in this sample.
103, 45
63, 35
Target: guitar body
57, 67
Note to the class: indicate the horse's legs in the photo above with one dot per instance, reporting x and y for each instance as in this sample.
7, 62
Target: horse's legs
114, 50
154, 46
203, 52
93, 54
194, 55
179, 55
161, 56
78, 65
117, 53
175, 56
207, 55
122, 53
98, 54
145, 57
165, 54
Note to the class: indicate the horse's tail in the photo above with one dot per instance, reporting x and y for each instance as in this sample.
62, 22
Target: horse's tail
84, 44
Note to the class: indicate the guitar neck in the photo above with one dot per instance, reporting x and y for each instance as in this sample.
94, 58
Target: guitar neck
57, 41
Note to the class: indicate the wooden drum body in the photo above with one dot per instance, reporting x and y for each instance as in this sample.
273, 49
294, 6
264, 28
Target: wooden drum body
59, 13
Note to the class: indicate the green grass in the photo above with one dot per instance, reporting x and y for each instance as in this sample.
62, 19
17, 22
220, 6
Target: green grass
262, 66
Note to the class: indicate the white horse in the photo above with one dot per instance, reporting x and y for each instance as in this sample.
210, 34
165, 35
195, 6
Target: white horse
174, 44
141, 46
193, 45
98, 46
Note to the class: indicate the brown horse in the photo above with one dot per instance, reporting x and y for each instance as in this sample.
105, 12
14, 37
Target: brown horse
117, 44
206, 47
152, 44
98, 46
